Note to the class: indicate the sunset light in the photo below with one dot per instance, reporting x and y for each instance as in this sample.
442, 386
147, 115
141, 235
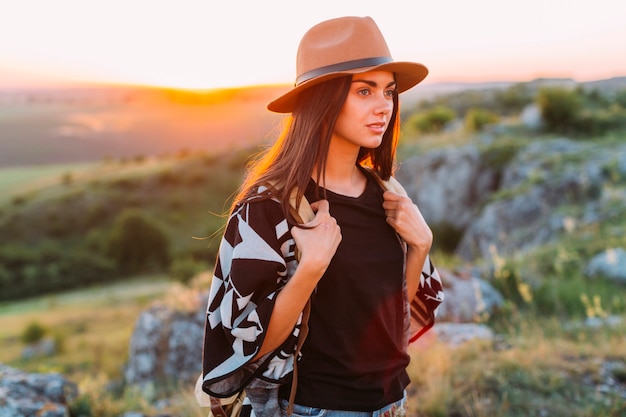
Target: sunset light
206, 44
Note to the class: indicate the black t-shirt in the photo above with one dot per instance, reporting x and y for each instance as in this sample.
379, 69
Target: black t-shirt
353, 357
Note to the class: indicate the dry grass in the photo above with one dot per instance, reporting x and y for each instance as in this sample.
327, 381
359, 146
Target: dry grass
541, 369
536, 366
92, 327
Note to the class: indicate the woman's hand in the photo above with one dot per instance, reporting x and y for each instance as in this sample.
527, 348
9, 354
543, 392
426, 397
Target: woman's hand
317, 244
318, 240
407, 221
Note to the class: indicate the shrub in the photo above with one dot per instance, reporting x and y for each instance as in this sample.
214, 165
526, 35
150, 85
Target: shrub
498, 154
185, 269
433, 120
513, 99
476, 119
620, 98
67, 178
559, 108
138, 243
600, 121
81, 407
33, 333
29, 270
446, 236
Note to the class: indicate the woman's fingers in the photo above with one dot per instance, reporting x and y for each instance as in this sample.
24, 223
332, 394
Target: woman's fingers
318, 239
406, 219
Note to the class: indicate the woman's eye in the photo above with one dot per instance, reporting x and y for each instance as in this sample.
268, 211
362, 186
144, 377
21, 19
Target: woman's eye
363, 92
390, 93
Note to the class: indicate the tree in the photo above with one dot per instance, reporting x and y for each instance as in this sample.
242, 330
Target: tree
560, 108
137, 243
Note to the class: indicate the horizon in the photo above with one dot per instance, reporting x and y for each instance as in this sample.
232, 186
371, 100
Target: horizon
56, 85
194, 45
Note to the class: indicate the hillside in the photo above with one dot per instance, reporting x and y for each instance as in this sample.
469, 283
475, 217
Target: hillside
70, 226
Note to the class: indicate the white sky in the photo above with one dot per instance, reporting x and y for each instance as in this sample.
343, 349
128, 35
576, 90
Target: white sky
208, 43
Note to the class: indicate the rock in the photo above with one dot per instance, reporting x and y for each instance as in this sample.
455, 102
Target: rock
541, 178
609, 264
24, 394
531, 117
468, 298
166, 344
456, 334
46, 347
609, 321
448, 184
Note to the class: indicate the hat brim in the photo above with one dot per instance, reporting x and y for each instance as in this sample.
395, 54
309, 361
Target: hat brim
408, 75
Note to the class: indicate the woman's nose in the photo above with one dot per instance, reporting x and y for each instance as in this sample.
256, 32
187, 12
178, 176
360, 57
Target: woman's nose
384, 104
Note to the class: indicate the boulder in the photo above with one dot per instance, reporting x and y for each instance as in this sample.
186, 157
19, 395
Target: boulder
455, 334
45, 347
609, 264
166, 345
531, 117
34, 394
468, 298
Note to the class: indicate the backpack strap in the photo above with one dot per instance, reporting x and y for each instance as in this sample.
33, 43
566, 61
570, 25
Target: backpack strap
303, 213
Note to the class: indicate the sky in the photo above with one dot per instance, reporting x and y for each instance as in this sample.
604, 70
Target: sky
208, 44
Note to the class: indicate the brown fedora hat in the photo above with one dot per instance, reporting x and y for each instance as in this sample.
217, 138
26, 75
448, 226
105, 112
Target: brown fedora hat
344, 46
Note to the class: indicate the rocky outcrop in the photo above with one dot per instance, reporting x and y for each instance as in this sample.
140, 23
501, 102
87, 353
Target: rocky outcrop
24, 394
543, 178
448, 185
516, 206
166, 345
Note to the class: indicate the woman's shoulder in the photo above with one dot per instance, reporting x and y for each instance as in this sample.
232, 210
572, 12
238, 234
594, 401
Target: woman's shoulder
260, 201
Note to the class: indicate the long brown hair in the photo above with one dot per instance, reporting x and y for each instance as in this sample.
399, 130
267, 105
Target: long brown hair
303, 145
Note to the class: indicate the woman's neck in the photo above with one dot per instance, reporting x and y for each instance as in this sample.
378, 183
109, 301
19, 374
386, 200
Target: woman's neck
341, 175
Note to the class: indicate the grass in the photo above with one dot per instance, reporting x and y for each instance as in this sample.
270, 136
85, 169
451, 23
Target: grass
92, 328
93, 324
536, 367
58, 179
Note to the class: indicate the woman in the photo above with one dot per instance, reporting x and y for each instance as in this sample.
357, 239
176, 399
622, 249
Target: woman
361, 259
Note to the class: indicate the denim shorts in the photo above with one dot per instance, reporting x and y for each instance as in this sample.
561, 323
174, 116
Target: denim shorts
397, 409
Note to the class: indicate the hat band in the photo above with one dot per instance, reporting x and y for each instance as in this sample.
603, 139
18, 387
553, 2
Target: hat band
342, 66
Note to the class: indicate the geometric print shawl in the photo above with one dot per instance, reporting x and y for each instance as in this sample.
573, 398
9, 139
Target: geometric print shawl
255, 259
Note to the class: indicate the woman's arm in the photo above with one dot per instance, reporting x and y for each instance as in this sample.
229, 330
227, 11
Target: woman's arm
317, 243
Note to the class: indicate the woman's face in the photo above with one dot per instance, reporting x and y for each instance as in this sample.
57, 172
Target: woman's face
365, 115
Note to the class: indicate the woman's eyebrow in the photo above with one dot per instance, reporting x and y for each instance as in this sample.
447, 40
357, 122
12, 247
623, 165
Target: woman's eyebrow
373, 83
